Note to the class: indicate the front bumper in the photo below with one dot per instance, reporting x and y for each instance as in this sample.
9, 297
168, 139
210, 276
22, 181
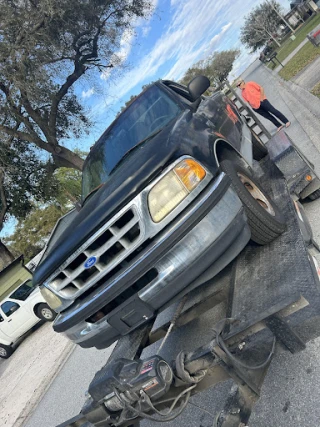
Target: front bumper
207, 246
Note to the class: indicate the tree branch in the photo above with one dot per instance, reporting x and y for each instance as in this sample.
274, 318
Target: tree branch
3, 200
36, 117
24, 136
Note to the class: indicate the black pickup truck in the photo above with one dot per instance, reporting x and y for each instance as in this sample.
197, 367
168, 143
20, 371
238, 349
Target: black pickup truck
168, 200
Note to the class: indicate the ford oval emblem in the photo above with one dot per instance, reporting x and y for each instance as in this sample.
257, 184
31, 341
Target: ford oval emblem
90, 262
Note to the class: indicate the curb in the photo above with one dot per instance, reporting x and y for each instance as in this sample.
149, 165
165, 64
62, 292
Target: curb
309, 101
41, 390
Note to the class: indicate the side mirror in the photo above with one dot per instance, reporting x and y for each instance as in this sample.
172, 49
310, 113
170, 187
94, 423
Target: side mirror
198, 86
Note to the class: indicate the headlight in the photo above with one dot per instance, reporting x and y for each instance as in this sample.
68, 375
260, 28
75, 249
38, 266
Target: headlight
51, 298
174, 187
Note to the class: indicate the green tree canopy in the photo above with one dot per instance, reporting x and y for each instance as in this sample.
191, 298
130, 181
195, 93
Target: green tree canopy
24, 181
46, 46
31, 234
33, 230
261, 25
216, 67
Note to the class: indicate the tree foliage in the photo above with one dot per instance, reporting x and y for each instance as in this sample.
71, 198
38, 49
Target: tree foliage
31, 234
33, 230
26, 184
216, 67
46, 46
261, 25
24, 181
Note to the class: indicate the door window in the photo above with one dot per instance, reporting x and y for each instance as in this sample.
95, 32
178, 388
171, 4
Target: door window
9, 307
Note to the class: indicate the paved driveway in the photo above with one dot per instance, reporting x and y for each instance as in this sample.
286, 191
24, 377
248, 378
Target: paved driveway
25, 376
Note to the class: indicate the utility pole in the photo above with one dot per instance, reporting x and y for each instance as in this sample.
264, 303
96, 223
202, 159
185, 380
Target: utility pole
280, 16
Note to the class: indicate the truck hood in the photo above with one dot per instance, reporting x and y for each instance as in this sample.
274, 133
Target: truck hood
132, 175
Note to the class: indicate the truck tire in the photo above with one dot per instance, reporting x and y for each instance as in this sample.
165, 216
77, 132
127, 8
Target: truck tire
311, 190
315, 195
264, 218
5, 351
44, 312
259, 150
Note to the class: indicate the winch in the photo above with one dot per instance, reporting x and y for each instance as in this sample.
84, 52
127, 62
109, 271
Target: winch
126, 380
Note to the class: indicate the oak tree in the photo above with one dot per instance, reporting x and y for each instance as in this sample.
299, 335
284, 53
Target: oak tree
216, 67
261, 25
46, 47
24, 181
61, 191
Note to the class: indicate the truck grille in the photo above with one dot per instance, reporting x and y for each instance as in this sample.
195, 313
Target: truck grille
107, 251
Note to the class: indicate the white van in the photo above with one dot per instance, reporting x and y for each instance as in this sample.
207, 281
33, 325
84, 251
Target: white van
19, 312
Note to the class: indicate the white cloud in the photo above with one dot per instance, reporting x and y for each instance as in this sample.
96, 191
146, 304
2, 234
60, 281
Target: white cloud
88, 93
120, 57
146, 30
195, 30
126, 41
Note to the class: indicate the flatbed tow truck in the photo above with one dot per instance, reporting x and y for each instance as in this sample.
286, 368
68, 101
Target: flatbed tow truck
269, 295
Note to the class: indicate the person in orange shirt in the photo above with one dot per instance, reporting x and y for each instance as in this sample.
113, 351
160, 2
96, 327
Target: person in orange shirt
255, 96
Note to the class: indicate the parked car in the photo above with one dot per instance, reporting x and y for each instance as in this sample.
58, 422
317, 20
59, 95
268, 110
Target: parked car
168, 200
19, 312
265, 53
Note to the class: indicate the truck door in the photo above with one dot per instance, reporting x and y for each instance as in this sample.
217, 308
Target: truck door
16, 319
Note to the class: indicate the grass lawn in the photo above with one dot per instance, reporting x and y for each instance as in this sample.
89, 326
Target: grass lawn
305, 55
290, 45
316, 90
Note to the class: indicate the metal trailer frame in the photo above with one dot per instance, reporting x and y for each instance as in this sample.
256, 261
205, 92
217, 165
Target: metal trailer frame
269, 300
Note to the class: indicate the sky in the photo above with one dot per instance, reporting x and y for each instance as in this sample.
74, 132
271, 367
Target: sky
178, 34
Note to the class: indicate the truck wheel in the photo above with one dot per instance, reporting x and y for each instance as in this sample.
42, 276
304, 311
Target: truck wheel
5, 351
44, 312
315, 195
264, 218
259, 150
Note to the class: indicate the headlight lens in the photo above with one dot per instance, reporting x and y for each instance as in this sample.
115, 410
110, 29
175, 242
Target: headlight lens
51, 298
174, 187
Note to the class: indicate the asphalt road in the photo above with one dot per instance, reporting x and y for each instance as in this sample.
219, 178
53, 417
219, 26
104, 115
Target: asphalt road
291, 392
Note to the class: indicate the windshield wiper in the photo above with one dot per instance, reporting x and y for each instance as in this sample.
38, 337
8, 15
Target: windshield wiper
133, 148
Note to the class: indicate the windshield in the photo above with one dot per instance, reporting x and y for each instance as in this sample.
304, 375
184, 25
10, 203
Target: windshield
147, 114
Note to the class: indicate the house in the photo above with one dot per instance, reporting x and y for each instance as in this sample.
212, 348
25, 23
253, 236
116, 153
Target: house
12, 276
301, 10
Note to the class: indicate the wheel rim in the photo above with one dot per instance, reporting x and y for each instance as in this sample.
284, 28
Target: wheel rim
256, 193
46, 313
3, 352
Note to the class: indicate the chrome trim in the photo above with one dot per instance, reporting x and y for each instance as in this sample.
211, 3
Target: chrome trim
179, 257
148, 229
